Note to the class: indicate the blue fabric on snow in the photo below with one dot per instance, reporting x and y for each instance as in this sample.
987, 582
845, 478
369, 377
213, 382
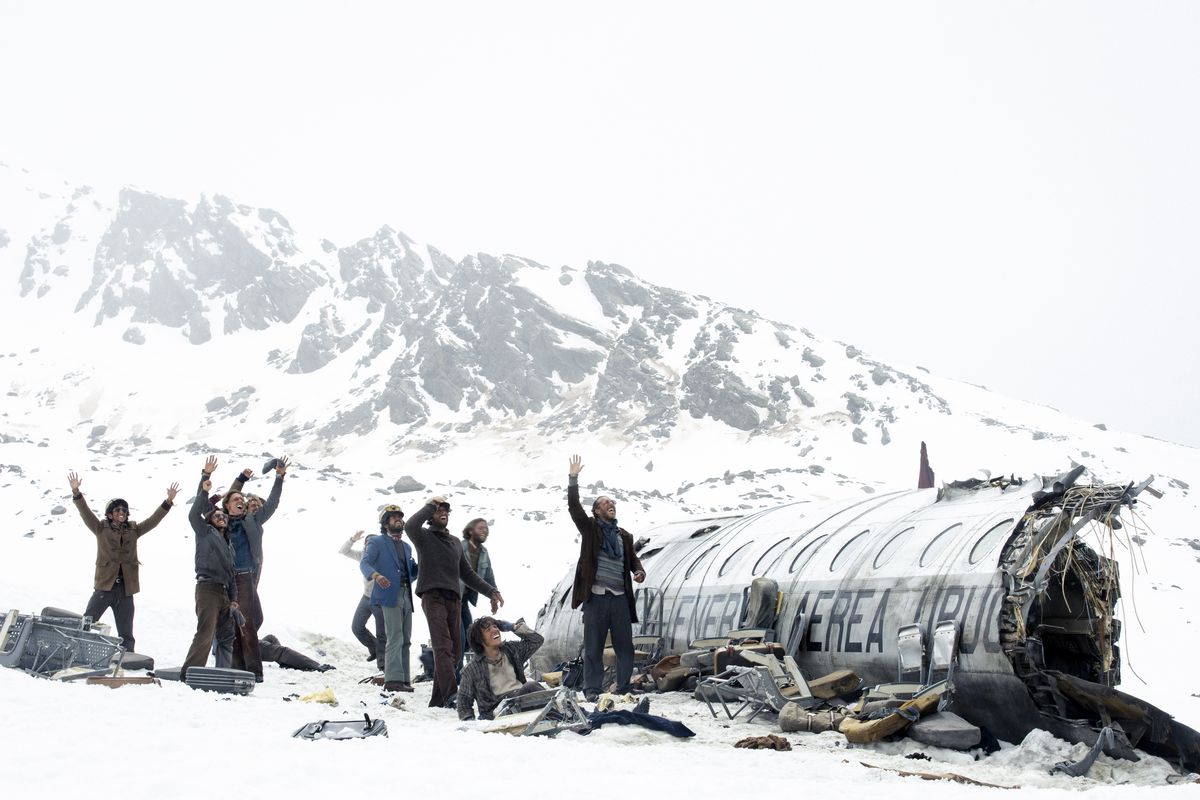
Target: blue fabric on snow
654, 723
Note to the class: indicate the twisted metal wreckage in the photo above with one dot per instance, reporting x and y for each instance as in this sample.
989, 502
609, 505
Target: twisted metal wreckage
849, 585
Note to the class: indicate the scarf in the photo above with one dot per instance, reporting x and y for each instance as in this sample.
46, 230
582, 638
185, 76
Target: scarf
612, 540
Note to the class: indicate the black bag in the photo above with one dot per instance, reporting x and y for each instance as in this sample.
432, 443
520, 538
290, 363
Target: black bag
572, 673
343, 729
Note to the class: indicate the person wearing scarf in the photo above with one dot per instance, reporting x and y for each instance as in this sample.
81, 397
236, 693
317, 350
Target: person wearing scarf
603, 585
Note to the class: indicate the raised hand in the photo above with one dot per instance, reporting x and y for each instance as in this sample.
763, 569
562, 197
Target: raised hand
576, 466
357, 535
247, 474
210, 465
172, 490
436, 500
281, 466
74, 480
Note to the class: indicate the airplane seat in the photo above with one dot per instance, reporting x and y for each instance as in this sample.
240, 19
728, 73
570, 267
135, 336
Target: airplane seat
944, 653
762, 603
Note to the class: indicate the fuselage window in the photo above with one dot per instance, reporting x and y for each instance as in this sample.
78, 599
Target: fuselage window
891, 546
938, 546
987, 543
697, 562
764, 561
804, 555
651, 552
704, 531
848, 549
734, 557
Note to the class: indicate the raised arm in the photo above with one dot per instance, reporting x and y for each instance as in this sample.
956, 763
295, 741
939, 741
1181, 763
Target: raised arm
531, 640
578, 515
201, 505
272, 502
413, 527
89, 518
347, 548
151, 522
240, 480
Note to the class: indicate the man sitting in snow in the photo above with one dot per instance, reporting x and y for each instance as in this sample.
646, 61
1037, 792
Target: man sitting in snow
498, 670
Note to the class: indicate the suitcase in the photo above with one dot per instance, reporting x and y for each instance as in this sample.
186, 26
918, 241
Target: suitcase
220, 679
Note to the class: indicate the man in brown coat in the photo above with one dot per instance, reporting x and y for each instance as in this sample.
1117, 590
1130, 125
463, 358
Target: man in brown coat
602, 585
116, 579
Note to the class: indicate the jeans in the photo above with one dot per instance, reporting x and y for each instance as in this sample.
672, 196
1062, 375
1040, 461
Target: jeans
122, 608
376, 645
397, 620
604, 613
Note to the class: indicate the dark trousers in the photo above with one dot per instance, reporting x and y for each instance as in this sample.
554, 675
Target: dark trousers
462, 639
246, 654
602, 614
122, 608
444, 615
377, 644
257, 619
212, 618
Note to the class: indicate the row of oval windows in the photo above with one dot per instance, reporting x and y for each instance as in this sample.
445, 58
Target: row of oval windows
986, 543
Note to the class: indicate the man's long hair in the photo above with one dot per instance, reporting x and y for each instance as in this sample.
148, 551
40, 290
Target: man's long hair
471, 526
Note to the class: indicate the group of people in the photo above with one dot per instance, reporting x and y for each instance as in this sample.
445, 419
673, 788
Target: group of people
447, 574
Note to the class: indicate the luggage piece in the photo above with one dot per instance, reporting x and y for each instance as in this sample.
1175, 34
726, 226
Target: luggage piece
864, 732
835, 684
794, 718
945, 729
116, 683
220, 679
342, 729
137, 661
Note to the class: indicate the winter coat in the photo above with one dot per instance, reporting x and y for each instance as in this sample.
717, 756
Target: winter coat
116, 546
252, 523
214, 553
591, 538
484, 570
475, 688
380, 556
443, 564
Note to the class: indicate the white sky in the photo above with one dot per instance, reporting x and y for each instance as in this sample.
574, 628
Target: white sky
1004, 192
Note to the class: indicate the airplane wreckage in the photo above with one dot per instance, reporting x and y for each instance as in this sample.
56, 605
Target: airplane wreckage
865, 584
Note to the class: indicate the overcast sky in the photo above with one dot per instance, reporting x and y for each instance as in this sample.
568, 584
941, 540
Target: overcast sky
1004, 193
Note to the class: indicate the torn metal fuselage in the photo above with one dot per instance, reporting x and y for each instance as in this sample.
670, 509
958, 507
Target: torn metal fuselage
1005, 560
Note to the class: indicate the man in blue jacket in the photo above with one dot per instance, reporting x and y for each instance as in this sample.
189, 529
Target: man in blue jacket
389, 563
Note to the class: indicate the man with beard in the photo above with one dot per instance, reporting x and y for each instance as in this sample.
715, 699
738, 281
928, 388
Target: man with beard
246, 534
116, 578
474, 535
216, 585
602, 585
443, 565
388, 562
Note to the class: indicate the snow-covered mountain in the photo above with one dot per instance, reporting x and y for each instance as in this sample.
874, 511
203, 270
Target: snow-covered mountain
141, 333
387, 346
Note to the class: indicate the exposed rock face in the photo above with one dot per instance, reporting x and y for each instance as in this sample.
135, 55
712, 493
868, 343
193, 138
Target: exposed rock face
425, 348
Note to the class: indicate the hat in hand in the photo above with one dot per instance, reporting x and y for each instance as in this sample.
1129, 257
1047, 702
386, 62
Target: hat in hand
270, 465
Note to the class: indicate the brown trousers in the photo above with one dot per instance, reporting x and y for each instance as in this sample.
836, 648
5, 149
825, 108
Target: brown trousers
212, 616
444, 615
246, 654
